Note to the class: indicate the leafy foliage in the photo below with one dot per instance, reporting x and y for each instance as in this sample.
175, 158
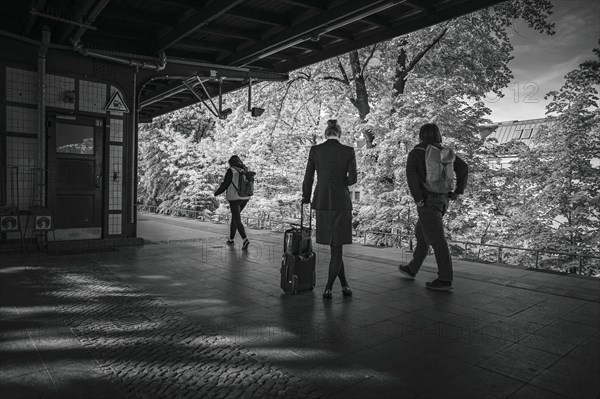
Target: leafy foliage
562, 211
380, 96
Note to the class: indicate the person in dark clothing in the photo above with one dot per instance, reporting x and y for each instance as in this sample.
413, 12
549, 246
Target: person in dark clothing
431, 207
335, 165
237, 203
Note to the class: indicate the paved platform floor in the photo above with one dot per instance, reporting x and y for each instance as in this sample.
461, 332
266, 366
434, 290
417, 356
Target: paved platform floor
187, 316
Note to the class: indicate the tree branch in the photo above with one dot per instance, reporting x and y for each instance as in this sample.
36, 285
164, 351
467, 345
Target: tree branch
369, 57
287, 89
305, 75
425, 50
343, 71
342, 81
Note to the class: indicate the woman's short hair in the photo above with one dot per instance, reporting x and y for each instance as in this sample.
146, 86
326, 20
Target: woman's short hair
430, 133
333, 129
235, 161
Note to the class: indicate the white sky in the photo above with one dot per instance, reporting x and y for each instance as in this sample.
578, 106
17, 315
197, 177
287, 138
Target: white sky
542, 61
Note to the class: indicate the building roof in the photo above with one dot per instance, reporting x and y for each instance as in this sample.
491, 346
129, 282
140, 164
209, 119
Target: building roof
235, 39
523, 131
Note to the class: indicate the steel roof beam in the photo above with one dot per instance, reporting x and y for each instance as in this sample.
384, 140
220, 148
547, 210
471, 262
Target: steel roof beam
402, 26
193, 4
32, 18
145, 18
261, 18
421, 5
325, 21
310, 4
309, 45
234, 33
377, 21
201, 45
90, 17
340, 34
197, 20
78, 15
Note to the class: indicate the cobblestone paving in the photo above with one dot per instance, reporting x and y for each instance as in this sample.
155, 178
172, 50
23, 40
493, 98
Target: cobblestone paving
149, 350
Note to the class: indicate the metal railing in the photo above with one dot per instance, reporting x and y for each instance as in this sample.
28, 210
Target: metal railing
250, 221
492, 253
487, 253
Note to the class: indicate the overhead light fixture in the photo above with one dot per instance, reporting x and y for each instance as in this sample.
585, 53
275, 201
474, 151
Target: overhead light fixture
254, 111
225, 113
315, 36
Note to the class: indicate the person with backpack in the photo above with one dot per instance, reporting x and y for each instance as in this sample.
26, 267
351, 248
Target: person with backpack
430, 172
238, 191
335, 165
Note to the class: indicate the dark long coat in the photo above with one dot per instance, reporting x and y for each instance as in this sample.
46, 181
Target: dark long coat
335, 165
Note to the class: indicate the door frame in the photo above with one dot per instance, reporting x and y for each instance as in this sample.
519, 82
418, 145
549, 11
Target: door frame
80, 119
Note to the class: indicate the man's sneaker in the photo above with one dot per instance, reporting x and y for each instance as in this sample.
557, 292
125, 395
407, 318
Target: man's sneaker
406, 272
230, 242
439, 285
246, 243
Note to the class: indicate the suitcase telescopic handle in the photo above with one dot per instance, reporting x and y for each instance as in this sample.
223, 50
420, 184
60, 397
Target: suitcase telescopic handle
302, 216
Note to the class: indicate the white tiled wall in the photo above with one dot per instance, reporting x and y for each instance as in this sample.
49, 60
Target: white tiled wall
56, 89
21, 120
22, 153
114, 224
92, 96
21, 86
115, 190
116, 130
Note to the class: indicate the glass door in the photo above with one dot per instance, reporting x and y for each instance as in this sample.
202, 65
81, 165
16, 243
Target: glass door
75, 176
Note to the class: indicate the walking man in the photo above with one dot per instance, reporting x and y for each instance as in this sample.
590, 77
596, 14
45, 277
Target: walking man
430, 171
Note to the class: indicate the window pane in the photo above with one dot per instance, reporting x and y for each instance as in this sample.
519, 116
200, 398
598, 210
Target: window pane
526, 134
74, 139
517, 134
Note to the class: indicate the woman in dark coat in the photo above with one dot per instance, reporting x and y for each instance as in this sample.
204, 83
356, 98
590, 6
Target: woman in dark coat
335, 165
237, 203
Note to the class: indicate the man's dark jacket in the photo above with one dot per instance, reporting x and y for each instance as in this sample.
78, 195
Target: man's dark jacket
416, 174
335, 164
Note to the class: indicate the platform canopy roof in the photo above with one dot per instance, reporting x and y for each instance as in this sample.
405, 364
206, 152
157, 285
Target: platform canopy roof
235, 39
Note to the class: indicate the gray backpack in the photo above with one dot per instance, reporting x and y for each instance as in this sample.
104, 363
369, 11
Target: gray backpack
439, 167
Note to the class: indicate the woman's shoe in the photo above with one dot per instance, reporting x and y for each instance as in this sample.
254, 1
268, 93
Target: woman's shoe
230, 242
327, 294
347, 292
245, 244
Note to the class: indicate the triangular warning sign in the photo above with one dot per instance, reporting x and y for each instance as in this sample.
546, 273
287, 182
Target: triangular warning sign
116, 103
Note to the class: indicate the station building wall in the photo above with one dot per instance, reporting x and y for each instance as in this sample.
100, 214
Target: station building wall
75, 86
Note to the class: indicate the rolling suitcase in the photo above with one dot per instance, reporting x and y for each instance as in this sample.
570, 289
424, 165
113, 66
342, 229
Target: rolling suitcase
298, 260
